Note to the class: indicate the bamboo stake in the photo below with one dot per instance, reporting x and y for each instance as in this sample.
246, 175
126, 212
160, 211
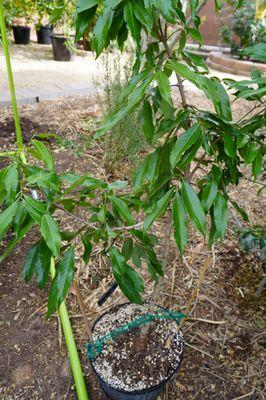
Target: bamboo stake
69, 337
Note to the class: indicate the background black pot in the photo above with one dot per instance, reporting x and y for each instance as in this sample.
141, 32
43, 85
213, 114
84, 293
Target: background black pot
21, 34
145, 394
60, 50
43, 34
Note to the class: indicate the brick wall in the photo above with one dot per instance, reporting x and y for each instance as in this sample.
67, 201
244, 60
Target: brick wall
210, 24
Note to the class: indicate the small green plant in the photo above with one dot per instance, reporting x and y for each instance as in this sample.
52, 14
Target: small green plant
43, 11
126, 139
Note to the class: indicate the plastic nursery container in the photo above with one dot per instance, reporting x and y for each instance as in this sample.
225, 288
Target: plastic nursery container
43, 34
60, 51
151, 393
21, 34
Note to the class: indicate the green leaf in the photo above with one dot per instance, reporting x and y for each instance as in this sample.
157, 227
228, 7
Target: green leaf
6, 218
180, 223
83, 5
130, 284
127, 249
240, 210
251, 153
195, 35
122, 209
44, 180
87, 248
258, 52
147, 121
11, 183
41, 152
62, 281
138, 253
257, 165
193, 207
50, 233
35, 208
209, 194
37, 260
143, 14
229, 145
83, 21
220, 215
101, 30
158, 210
132, 22
184, 142
118, 261
117, 116
212, 88
167, 10
164, 86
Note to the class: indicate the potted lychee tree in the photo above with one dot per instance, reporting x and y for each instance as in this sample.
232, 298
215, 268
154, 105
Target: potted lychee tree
43, 11
135, 348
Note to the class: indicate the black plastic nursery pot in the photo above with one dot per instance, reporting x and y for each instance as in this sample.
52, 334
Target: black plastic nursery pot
151, 393
21, 34
60, 50
44, 34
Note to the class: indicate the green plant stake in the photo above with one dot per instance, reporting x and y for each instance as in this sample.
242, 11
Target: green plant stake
70, 341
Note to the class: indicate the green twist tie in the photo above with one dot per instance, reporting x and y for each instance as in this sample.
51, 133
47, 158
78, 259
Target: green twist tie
97, 347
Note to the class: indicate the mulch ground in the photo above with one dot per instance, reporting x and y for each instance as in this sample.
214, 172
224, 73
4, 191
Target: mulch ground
224, 357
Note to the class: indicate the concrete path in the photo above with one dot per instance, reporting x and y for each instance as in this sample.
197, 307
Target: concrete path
37, 75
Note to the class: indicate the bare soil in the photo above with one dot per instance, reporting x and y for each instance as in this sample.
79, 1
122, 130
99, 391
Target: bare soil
225, 333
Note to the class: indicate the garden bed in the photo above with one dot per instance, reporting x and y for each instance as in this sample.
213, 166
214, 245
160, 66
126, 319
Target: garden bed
224, 353
232, 65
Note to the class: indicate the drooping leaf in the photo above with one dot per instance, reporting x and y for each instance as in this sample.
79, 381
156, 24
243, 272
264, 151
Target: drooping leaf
35, 208
147, 121
83, 5
209, 194
195, 35
11, 183
158, 209
127, 248
122, 209
229, 145
37, 261
143, 14
164, 86
62, 281
132, 22
50, 233
87, 248
180, 223
101, 29
167, 10
220, 215
193, 207
184, 142
6, 218
257, 165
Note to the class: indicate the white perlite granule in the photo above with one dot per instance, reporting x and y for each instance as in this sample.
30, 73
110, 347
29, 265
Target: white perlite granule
170, 342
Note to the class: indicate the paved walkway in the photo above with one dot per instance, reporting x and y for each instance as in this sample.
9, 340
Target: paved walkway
36, 74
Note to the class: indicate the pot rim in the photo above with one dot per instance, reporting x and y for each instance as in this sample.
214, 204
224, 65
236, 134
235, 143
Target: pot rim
143, 391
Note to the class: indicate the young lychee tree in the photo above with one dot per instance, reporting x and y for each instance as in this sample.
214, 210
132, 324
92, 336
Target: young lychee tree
184, 139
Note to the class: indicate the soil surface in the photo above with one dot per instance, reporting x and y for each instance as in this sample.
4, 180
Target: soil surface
225, 333
132, 363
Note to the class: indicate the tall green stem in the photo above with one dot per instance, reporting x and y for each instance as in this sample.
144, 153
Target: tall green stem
69, 337
11, 85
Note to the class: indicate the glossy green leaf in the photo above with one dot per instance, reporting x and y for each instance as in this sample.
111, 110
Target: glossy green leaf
83, 22
229, 145
122, 209
11, 183
101, 29
220, 215
158, 210
251, 153
117, 260
41, 152
35, 208
62, 281
195, 35
209, 194
143, 14
147, 121
83, 5
193, 207
184, 142
164, 86
50, 233
37, 260
180, 223
6, 218
132, 22
257, 165
167, 10
127, 248
212, 88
